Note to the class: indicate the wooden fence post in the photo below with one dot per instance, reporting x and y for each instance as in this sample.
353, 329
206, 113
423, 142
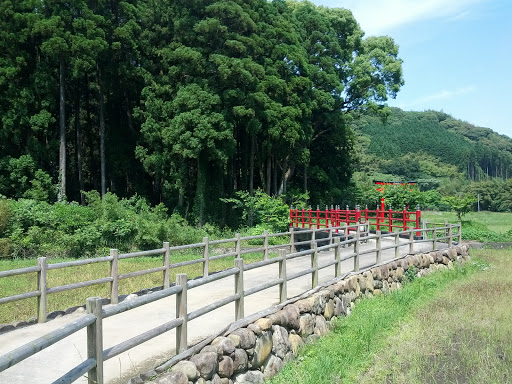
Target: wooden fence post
93, 305
411, 241
114, 273
378, 247
314, 265
292, 240
330, 234
313, 239
265, 245
356, 250
206, 256
283, 293
167, 263
434, 238
459, 240
450, 234
397, 244
181, 312
337, 266
237, 245
42, 288
345, 233
239, 289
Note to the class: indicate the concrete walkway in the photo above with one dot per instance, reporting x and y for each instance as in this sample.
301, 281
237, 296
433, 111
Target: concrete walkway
51, 363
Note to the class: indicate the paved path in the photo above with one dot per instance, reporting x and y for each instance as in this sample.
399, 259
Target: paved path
50, 364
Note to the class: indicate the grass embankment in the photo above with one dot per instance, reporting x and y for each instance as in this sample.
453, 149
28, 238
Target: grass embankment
25, 309
449, 327
480, 226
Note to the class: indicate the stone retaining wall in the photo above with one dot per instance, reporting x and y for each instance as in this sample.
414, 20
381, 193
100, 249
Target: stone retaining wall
257, 351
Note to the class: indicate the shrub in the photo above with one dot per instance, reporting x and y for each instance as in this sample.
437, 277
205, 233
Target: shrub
5, 248
5, 215
262, 210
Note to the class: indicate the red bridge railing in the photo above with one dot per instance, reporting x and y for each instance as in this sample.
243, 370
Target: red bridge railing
381, 220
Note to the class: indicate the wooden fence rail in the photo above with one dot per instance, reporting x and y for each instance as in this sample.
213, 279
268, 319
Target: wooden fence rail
96, 355
43, 267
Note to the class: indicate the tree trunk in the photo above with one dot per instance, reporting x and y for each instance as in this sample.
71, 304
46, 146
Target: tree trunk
287, 175
269, 175
245, 162
251, 165
202, 164
274, 175
102, 137
62, 132
305, 178
78, 131
128, 113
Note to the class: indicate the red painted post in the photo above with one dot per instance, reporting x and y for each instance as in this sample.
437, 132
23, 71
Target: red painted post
382, 208
377, 215
302, 217
309, 217
404, 220
390, 220
366, 214
291, 216
418, 217
317, 217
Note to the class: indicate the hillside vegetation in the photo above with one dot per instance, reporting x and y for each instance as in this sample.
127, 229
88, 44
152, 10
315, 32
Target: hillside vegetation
431, 144
441, 154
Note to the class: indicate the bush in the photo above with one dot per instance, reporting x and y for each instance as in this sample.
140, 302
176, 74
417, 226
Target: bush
479, 232
5, 215
264, 211
5, 248
36, 228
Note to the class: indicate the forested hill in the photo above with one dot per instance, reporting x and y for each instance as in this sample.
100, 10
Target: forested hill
430, 144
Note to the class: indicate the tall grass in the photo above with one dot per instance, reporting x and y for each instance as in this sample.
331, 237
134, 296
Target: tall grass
23, 310
480, 226
357, 340
464, 335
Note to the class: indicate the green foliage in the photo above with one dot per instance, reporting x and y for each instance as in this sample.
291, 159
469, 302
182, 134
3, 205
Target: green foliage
460, 204
473, 230
35, 228
267, 212
5, 215
364, 333
5, 248
409, 275
439, 152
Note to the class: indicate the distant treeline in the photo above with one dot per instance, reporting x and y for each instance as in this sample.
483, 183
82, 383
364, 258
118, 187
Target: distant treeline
183, 102
431, 144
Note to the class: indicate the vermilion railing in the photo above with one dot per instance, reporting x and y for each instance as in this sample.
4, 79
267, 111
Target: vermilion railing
381, 220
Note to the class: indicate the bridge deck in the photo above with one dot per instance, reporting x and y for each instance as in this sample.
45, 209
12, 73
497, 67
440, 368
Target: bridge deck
56, 360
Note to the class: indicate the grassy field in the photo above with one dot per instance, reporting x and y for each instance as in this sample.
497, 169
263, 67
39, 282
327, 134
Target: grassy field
27, 308
453, 326
498, 222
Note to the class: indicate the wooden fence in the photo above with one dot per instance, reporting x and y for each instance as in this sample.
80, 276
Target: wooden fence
96, 355
207, 246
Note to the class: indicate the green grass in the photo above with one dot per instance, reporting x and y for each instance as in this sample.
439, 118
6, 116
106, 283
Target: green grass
464, 335
480, 226
499, 222
367, 336
27, 308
